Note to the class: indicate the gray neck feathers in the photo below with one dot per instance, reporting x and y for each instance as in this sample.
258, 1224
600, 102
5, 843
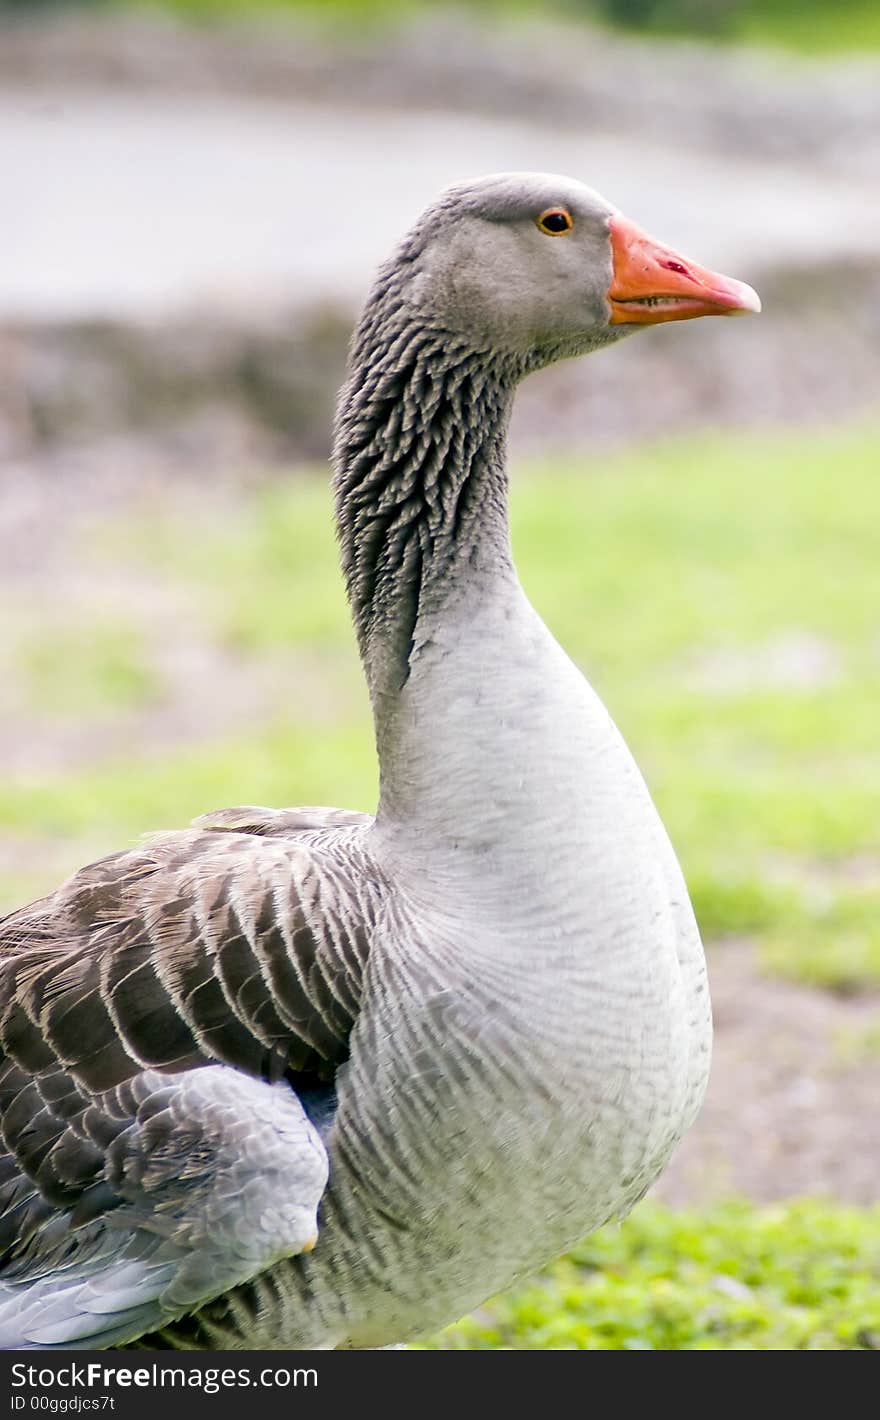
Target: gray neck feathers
421, 487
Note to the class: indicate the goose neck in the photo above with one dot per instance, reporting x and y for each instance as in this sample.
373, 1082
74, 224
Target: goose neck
421, 493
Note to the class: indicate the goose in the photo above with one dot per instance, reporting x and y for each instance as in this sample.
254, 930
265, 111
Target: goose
316, 1079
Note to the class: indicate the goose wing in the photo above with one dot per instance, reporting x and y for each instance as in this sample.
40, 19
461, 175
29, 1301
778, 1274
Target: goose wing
211, 1178
182, 992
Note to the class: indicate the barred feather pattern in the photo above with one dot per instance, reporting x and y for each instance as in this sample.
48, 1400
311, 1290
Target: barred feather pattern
240, 942
420, 470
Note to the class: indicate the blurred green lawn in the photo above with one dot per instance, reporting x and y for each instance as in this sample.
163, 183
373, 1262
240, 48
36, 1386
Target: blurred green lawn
723, 597
812, 26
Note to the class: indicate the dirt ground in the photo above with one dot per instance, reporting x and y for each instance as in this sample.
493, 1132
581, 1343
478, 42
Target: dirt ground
788, 1112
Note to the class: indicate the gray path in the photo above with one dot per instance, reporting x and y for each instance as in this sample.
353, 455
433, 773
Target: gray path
139, 205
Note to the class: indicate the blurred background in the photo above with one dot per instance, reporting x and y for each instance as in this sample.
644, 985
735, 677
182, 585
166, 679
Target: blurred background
194, 195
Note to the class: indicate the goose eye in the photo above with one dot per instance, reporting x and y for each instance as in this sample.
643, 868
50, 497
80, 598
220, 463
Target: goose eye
555, 221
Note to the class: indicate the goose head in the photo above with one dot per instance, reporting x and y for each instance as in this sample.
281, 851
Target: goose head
541, 267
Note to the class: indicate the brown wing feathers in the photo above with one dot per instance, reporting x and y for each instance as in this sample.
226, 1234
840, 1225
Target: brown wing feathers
242, 942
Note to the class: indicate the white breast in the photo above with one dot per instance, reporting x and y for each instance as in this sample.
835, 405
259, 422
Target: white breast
536, 1023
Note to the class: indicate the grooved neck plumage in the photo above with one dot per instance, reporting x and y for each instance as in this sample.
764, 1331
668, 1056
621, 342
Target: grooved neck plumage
421, 485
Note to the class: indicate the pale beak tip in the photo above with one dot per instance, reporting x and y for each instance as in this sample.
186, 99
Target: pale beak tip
749, 302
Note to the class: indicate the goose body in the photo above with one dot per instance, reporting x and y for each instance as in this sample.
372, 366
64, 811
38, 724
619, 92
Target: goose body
482, 1012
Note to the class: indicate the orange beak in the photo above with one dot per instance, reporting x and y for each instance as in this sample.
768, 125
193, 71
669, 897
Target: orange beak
652, 283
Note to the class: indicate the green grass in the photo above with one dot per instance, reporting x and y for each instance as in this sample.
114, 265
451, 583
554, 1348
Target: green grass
115, 803
803, 1276
814, 27
810, 27
654, 569
271, 578
80, 668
